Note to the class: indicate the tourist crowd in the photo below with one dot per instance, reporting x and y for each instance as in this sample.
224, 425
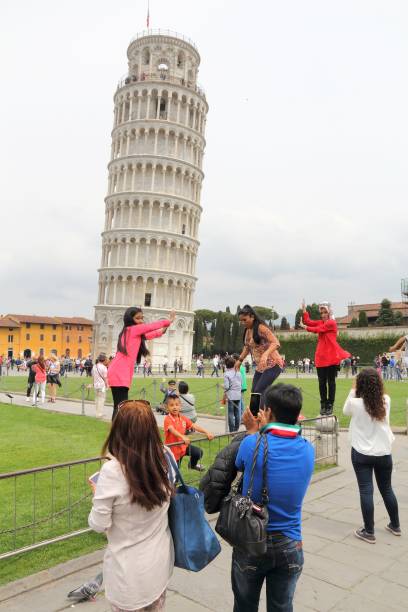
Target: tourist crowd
266, 469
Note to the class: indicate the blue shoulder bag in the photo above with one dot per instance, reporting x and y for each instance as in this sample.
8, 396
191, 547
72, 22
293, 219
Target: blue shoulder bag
195, 543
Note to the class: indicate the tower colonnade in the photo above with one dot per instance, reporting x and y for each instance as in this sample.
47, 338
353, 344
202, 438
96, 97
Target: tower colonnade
177, 216
159, 177
178, 144
153, 203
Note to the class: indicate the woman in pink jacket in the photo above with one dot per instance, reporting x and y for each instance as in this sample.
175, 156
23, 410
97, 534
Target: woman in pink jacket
131, 348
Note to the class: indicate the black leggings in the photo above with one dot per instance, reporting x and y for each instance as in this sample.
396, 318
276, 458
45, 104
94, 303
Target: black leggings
262, 380
364, 466
327, 383
119, 394
195, 453
30, 385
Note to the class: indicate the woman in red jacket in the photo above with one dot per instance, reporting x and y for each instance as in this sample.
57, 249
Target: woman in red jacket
329, 353
131, 347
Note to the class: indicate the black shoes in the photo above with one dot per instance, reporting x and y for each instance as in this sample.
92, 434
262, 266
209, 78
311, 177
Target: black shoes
395, 530
362, 534
329, 408
326, 408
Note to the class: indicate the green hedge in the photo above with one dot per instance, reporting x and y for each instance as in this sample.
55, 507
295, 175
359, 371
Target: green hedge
365, 348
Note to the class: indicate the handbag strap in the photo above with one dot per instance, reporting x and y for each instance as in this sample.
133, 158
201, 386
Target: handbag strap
265, 495
171, 461
251, 480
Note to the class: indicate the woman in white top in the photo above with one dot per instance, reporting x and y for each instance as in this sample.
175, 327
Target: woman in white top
130, 504
53, 378
371, 440
100, 383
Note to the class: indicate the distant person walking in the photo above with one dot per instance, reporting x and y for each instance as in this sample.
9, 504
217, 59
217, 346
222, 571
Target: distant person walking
263, 345
329, 353
100, 383
40, 380
216, 365
53, 377
371, 440
130, 349
31, 377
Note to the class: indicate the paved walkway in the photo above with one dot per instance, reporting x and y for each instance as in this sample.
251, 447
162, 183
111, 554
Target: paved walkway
341, 573
214, 424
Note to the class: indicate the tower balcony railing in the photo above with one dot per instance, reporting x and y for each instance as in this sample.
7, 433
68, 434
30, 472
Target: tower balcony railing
160, 77
160, 32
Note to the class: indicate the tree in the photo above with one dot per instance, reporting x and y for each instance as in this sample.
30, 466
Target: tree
198, 341
298, 318
284, 325
313, 310
385, 315
219, 333
227, 339
362, 319
398, 318
236, 339
267, 314
212, 329
208, 316
354, 322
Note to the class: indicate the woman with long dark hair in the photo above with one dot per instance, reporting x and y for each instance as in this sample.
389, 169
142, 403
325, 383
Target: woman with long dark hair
263, 346
131, 347
329, 353
130, 505
40, 370
371, 441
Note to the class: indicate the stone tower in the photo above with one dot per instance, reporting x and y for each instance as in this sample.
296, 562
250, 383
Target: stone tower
152, 210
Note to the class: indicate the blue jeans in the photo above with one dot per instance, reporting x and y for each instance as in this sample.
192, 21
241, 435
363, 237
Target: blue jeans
262, 380
234, 414
281, 566
364, 466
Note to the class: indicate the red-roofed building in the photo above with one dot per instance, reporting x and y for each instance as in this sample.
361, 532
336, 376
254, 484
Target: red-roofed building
36, 334
372, 312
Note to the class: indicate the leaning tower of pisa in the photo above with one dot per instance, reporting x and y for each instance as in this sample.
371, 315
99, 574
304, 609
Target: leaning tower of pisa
152, 209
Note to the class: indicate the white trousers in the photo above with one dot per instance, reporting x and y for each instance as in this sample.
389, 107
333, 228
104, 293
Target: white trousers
39, 388
100, 403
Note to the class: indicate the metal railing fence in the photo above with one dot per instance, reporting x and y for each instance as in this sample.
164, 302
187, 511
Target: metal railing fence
45, 505
163, 32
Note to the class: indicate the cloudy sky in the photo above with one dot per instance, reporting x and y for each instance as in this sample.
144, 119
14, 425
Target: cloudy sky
306, 186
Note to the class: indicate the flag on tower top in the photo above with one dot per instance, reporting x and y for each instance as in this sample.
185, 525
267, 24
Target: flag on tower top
148, 15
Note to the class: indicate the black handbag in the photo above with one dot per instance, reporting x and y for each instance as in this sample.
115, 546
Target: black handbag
241, 522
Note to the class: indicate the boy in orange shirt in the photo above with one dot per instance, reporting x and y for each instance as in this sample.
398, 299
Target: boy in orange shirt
175, 427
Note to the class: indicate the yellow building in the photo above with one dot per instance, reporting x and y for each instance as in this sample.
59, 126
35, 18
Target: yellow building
30, 334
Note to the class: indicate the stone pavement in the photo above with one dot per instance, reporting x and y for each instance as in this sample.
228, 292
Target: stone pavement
341, 573
214, 424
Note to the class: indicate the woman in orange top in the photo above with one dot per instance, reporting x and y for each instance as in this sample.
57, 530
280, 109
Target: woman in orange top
263, 346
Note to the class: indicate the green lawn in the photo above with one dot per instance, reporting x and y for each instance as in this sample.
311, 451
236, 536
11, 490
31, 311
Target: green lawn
208, 392
32, 437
